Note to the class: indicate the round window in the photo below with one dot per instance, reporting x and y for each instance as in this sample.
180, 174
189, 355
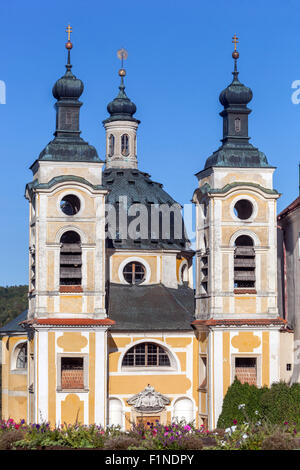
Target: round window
70, 204
243, 209
134, 273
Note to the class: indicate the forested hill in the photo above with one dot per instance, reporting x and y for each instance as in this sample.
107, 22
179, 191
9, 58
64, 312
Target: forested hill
13, 301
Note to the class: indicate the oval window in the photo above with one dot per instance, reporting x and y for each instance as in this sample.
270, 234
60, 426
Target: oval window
243, 209
134, 273
70, 204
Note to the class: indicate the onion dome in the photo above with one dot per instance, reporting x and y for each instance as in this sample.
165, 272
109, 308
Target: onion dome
68, 87
236, 150
236, 94
121, 108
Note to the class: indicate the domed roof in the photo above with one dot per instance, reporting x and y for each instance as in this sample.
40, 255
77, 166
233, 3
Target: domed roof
131, 187
121, 108
236, 94
68, 87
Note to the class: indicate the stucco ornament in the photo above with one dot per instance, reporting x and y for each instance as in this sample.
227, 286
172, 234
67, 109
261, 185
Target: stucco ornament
149, 401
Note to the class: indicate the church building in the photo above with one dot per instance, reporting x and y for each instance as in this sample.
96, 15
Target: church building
115, 333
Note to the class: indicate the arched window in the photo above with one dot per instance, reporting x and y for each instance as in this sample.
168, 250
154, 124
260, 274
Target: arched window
70, 259
111, 145
244, 263
146, 355
125, 145
21, 359
134, 272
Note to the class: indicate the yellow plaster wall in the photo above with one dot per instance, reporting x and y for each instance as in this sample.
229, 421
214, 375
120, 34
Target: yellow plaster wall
245, 341
13, 406
203, 402
50, 304
227, 233
17, 407
264, 272
182, 359
118, 342
71, 304
71, 341
117, 259
90, 271
164, 383
72, 410
225, 268
53, 206
178, 342
245, 304
87, 227
265, 358
262, 207
203, 340
253, 177
50, 270
113, 361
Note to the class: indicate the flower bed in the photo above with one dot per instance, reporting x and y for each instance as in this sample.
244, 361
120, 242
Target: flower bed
176, 436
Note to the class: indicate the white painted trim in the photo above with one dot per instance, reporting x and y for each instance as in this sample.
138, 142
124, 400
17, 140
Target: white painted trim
247, 232
139, 260
175, 363
70, 192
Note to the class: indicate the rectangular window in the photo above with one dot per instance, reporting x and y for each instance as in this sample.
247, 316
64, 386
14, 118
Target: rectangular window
72, 372
246, 370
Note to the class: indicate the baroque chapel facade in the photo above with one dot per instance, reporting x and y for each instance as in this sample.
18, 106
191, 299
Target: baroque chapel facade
115, 332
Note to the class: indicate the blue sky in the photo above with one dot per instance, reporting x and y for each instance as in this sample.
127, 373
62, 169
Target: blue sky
179, 61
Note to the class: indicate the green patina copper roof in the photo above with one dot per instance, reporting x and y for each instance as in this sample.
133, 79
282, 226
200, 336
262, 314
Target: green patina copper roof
121, 108
206, 188
236, 151
135, 187
237, 155
61, 179
69, 150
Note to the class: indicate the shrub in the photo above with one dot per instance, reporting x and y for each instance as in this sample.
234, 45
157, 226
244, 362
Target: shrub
190, 442
122, 442
279, 441
281, 403
8, 438
278, 404
238, 394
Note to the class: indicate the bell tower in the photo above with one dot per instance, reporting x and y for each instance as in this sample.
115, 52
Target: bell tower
236, 268
67, 315
121, 127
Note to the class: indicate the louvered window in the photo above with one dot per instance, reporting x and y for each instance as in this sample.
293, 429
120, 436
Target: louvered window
70, 259
244, 263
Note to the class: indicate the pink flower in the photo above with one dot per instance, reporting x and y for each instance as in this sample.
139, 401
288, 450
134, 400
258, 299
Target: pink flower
187, 428
234, 421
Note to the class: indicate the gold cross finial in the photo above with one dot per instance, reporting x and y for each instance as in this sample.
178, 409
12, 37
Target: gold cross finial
69, 31
235, 40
